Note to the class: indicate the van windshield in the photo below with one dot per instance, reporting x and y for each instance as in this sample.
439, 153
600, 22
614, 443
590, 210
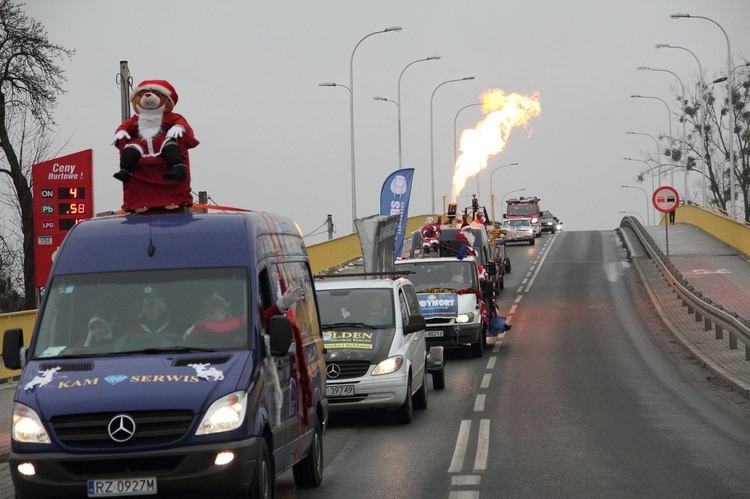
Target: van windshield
145, 311
432, 277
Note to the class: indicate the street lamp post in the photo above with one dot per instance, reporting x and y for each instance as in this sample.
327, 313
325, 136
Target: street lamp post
669, 115
455, 139
684, 131
491, 190
432, 142
398, 101
351, 116
653, 188
510, 192
644, 193
731, 108
701, 118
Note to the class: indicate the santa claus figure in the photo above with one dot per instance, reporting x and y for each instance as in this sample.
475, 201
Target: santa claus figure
154, 136
430, 233
466, 235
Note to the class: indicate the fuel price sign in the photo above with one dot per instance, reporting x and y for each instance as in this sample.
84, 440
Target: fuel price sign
63, 196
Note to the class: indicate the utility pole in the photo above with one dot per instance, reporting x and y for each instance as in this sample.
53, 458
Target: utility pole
125, 82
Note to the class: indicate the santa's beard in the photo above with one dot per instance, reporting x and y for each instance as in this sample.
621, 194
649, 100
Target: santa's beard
149, 122
470, 238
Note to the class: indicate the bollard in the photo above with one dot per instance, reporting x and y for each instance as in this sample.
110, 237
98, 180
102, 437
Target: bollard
732, 341
719, 332
698, 316
707, 324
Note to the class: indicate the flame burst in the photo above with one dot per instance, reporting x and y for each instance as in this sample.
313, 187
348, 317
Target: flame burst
488, 138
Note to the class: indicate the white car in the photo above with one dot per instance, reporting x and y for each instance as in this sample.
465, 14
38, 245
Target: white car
519, 229
374, 336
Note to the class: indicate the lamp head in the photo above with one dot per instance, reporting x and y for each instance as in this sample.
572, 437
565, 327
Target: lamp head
634, 96
433, 58
719, 80
327, 84
663, 45
392, 28
643, 68
380, 98
679, 15
468, 77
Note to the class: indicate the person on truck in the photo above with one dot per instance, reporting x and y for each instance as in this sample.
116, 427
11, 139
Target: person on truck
430, 233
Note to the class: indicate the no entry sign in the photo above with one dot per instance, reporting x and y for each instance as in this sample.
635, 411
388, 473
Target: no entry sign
665, 199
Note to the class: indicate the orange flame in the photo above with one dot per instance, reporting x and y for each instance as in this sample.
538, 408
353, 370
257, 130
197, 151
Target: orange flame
488, 138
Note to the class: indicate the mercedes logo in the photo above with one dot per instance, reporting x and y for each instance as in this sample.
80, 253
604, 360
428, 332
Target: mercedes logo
333, 371
121, 428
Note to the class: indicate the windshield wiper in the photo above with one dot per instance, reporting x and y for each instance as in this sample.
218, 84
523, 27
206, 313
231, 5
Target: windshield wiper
348, 324
174, 349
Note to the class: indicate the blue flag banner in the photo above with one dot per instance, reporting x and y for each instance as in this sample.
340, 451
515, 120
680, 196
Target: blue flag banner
394, 200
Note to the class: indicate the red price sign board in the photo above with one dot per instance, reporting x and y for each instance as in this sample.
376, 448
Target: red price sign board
63, 196
665, 199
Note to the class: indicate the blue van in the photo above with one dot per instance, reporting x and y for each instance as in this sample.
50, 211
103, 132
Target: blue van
160, 363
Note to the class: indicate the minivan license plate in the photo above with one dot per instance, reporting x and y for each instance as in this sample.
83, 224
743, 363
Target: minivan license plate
339, 390
114, 488
433, 334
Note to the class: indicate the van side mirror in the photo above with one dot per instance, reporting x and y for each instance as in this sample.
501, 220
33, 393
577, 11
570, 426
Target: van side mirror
280, 332
541, 213
12, 345
416, 323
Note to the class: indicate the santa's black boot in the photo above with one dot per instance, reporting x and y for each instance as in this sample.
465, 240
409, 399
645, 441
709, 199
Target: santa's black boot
123, 176
177, 172
128, 159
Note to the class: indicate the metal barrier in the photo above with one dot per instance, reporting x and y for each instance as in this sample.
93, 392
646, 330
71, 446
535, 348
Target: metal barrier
712, 314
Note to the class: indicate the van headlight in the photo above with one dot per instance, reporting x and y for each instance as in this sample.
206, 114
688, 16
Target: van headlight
534, 220
226, 414
389, 365
27, 426
463, 318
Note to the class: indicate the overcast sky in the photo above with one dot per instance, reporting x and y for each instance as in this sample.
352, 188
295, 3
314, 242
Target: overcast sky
247, 75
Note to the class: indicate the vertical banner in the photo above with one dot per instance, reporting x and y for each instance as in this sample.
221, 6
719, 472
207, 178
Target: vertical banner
394, 200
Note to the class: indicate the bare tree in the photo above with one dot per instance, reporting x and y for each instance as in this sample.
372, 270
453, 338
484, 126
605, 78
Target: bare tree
29, 85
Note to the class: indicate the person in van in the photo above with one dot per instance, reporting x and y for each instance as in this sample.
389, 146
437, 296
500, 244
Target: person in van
99, 331
154, 318
215, 322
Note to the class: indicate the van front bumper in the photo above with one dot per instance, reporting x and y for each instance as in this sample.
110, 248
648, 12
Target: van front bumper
452, 334
179, 472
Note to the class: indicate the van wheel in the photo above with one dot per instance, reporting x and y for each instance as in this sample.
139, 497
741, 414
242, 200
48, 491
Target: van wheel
507, 265
405, 413
477, 349
438, 378
532, 241
309, 471
420, 398
264, 478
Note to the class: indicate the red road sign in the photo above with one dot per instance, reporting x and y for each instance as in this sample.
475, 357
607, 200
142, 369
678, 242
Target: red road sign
665, 199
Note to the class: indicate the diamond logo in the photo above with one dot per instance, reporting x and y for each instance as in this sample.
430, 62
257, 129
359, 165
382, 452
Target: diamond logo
113, 380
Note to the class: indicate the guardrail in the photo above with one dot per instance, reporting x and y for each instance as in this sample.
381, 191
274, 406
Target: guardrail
712, 314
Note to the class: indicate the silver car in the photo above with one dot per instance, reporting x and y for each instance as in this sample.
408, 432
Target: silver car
518, 230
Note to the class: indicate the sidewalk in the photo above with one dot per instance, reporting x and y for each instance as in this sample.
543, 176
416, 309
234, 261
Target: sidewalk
713, 268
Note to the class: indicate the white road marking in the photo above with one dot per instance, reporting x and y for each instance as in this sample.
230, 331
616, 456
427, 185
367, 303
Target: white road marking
518, 299
464, 494
459, 480
520, 290
491, 363
479, 403
513, 309
485, 381
462, 441
483, 446
540, 266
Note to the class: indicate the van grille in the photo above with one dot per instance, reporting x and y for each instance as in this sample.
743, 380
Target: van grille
68, 367
152, 428
201, 360
349, 369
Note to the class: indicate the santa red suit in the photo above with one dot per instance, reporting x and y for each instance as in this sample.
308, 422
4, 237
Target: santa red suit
430, 233
465, 235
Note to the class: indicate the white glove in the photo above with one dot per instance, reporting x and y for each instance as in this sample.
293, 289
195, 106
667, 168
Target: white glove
175, 132
290, 297
121, 134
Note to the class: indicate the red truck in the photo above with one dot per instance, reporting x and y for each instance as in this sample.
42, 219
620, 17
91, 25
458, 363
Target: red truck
525, 207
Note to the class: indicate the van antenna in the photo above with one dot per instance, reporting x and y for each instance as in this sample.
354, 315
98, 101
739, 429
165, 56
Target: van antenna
151, 247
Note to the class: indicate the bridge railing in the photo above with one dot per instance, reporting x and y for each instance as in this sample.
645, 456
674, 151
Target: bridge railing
713, 315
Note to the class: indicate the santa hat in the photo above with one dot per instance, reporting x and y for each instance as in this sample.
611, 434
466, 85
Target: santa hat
465, 227
99, 317
152, 299
162, 86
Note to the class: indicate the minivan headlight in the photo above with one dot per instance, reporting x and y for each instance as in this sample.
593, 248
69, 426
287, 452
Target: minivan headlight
226, 414
462, 318
27, 426
389, 365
